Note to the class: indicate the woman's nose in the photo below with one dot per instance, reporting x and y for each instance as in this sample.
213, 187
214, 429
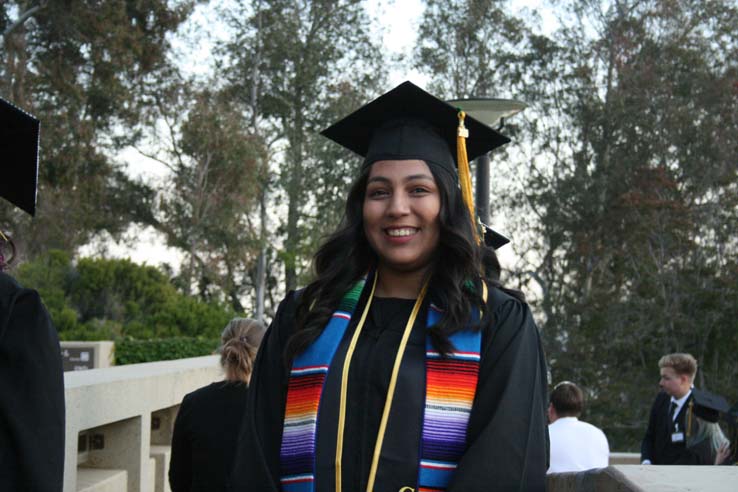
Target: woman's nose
399, 204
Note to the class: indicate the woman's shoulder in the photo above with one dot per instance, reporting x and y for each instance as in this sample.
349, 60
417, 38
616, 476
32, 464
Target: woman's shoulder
10, 289
213, 391
8, 284
283, 323
499, 299
507, 312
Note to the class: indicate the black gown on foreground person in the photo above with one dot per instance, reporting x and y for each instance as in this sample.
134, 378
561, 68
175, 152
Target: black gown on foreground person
31, 393
393, 383
31, 377
508, 447
205, 436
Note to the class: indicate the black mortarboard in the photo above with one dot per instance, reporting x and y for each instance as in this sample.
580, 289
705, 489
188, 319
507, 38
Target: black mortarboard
19, 133
409, 123
494, 239
709, 406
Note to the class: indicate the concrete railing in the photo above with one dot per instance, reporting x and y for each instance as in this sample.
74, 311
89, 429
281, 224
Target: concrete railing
647, 478
120, 419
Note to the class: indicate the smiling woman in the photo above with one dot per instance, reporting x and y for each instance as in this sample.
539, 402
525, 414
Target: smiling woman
404, 365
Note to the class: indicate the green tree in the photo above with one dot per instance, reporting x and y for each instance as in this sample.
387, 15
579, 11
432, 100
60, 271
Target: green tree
304, 60
469, 47
205, 210
633, 186
79, 66
622, 188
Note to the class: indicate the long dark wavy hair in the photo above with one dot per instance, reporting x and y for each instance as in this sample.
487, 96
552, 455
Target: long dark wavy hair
347, 255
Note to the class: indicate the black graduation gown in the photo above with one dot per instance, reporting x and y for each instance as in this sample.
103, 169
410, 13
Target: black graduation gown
204, 437
507, 432
31, 393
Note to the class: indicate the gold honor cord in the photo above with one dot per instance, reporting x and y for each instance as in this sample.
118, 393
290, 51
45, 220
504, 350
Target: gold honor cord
391, 389
344, 385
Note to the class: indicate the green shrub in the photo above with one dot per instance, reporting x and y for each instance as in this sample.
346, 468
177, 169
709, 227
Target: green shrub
136, 351
108, 299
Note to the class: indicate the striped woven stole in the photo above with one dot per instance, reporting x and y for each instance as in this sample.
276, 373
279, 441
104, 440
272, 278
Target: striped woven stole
451, 383
307, 378
450, 386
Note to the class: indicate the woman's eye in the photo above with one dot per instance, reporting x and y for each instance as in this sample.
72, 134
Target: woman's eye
419, 190
376, 193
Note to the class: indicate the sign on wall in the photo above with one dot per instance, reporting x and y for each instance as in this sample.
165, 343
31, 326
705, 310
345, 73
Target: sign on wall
78, 358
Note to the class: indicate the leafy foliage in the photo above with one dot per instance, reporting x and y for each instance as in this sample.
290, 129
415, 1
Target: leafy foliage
99, 299
205, 209
138, 351
295, 65
79, 66
631, 190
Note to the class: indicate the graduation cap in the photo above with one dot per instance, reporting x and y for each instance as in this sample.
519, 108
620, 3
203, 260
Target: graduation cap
709, 406
494, 239
19, 133
409, 123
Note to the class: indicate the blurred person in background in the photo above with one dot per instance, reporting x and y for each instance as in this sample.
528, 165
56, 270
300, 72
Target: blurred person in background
575, 445
31, 376
665, 439
209, 418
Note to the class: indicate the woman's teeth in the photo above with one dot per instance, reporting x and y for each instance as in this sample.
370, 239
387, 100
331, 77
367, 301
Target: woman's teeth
408, 231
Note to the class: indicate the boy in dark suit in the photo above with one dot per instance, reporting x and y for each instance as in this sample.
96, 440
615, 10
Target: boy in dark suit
665, 439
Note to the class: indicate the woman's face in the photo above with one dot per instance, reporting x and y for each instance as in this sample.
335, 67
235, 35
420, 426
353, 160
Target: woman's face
401, 211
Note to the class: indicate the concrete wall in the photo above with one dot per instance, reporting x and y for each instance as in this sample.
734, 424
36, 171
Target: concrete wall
122, 417
110, 413
647, 478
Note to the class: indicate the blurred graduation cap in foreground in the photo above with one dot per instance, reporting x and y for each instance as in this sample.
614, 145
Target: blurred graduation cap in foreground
709, 406
19, 134
704, 435
409, 123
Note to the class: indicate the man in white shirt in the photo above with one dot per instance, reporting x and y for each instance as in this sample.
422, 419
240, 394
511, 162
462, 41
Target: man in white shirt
575, 445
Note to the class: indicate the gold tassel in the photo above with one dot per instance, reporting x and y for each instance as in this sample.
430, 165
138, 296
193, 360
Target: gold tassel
465, 173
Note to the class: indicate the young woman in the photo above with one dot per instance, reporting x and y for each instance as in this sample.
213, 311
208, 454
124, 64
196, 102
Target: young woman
209, 418
404, 366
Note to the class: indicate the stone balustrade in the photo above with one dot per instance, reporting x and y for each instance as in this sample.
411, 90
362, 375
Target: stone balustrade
120, 419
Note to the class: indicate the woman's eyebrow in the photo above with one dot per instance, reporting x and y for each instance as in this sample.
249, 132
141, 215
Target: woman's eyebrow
406, 178
419, 176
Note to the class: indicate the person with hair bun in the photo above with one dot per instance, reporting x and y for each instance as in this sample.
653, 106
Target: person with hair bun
209, 418
404, 365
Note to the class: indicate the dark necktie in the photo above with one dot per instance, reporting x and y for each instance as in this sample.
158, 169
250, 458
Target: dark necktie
672, 409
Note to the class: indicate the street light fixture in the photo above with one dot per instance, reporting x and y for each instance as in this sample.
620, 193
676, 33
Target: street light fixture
492, 112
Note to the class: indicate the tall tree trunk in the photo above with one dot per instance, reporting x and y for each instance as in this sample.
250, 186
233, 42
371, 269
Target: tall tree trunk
261, 263
294, 189
293, 238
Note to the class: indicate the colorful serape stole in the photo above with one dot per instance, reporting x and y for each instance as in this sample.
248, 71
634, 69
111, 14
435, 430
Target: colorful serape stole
307, 378
451, 384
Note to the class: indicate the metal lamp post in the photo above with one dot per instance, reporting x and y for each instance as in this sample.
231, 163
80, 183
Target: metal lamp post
493, 113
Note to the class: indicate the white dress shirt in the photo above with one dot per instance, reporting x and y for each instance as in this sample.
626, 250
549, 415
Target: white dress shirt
577, 446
